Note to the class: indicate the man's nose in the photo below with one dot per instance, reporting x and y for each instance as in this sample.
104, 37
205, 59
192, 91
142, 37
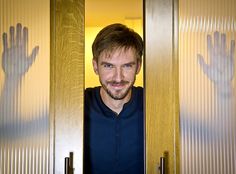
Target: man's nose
118, 76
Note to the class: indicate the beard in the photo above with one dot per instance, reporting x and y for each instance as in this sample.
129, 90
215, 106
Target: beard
117, 94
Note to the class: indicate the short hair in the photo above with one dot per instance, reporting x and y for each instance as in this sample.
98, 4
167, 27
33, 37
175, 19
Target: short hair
117, 36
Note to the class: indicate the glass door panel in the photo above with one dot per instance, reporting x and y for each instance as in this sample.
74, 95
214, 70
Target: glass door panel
207, 86
24, 86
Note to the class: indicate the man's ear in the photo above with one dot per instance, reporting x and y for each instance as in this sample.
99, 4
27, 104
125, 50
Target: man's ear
95, 66
139, 65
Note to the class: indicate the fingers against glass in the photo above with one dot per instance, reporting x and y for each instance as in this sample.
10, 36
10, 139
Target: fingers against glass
223, 44
209, 47
216, 41
232, 49
18, 34
5, 43
12, 36
25, 41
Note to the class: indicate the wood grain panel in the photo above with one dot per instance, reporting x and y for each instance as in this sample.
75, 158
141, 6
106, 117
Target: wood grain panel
161, 85
67, 82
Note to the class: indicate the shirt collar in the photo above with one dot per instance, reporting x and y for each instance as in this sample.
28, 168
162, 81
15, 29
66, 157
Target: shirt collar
128, 107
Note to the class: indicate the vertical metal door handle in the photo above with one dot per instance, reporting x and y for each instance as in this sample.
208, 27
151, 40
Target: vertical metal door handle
69, 164
71, 168
162, 165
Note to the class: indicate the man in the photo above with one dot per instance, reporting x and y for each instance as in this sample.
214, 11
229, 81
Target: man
114, 141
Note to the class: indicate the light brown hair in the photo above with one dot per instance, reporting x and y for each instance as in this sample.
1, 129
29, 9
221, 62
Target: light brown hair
117, 36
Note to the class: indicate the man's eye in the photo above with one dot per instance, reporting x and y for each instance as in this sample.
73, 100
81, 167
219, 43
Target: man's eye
128, 66
108, 65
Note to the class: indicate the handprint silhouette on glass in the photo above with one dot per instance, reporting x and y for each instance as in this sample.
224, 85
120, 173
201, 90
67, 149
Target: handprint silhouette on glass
16, 61
220, 69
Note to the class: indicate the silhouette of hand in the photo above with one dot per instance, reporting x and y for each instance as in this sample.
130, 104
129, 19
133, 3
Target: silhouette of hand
220, 69
15, 58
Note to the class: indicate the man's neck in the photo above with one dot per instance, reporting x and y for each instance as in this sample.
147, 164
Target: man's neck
114, 105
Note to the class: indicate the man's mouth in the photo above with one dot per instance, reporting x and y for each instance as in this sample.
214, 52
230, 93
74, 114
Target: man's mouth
118, 84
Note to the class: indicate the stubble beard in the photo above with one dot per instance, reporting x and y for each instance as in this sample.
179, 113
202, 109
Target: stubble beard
117, 96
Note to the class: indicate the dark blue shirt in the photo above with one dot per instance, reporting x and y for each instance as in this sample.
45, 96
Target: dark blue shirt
113, 144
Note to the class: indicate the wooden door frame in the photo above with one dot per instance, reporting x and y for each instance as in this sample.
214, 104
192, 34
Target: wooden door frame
66, 83
161, 86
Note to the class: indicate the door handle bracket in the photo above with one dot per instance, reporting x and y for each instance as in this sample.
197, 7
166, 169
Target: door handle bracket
69, 164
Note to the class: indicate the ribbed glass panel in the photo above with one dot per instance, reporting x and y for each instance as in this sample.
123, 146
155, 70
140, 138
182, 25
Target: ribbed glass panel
207, 86
24, 87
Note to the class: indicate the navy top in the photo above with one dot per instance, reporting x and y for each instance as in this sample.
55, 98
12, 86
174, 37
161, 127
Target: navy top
113, 144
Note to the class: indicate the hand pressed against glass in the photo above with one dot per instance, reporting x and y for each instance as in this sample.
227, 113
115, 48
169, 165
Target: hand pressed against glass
15, 58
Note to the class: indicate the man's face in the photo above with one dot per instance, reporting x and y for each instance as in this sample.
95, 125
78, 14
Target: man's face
117, 72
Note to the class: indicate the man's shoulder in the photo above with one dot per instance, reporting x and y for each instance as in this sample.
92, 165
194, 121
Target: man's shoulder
139, 89
138, 94
92, 89
89, 93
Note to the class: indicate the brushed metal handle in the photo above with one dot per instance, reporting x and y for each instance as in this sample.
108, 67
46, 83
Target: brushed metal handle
162, 165
69, 164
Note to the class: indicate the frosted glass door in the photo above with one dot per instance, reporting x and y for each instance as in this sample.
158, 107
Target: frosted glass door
207, 30
24, 86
